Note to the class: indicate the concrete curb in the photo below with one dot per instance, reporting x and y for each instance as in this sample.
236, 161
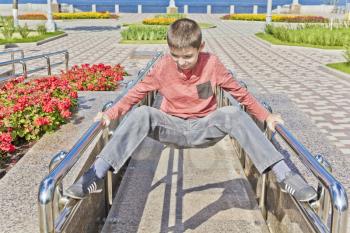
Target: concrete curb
335, 72
295, 47
32, 44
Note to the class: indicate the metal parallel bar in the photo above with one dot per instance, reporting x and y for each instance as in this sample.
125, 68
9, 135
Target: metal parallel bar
32, 58
336, 192
48, 185
23, 60
338, 196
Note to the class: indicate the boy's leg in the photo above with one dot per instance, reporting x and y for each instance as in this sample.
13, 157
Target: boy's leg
235, 122
140, 123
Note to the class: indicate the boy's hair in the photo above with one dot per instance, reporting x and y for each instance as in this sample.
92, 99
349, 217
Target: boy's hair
184, 33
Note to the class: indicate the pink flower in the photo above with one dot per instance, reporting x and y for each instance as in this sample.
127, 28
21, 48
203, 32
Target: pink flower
42, 121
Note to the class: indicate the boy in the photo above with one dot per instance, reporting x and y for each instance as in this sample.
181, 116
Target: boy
188, 116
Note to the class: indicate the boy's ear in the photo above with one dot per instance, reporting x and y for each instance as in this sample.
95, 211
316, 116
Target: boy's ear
201, 47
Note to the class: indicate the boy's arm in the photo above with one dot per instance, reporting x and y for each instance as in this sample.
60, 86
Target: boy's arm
136, 94
225, 80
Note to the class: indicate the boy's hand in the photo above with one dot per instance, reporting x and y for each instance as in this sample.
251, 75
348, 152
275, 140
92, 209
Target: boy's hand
272, 120
103, 118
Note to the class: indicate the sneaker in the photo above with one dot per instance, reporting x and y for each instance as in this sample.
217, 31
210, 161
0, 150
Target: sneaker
295, 185
88, 183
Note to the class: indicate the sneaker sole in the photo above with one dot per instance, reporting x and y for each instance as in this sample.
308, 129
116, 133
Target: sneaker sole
304, 200
71, 195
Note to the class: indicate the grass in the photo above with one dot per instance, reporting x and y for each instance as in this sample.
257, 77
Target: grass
342, 66
143, 42
30, 39
201, 25
275, 41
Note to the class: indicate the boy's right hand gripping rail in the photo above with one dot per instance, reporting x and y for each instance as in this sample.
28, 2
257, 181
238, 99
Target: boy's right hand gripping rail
327, 214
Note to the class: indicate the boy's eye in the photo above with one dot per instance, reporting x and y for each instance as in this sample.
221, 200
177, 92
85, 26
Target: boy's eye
188, 56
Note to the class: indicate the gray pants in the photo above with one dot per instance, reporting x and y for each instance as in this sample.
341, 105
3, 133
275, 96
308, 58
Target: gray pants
201, 132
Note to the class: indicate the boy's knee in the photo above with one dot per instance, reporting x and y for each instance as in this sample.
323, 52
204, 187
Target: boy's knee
141, 112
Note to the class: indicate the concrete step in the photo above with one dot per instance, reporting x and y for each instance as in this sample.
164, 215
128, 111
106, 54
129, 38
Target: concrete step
192, 190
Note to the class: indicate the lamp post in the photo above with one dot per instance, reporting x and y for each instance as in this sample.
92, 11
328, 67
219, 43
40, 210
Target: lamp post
268, 12
50, 24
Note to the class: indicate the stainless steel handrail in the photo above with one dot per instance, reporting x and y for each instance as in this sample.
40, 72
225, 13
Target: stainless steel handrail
338, 196
45, 56
12, 52
321, 169
63, 163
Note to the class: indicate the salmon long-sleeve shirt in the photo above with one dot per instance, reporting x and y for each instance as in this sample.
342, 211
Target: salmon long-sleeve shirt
188, 95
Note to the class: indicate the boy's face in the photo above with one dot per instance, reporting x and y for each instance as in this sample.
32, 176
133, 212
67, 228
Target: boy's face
186, 58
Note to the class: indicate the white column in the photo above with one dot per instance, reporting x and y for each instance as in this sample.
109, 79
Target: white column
139, 9
116, 9
185, 9
268, 11
71, 8
50, 24
15, 17
232, 9
255, 9
208, 9
93, 7
278, 11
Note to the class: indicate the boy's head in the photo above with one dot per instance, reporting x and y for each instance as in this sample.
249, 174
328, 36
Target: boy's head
184, 39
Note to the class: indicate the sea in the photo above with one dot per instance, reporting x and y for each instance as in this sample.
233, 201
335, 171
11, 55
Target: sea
194, 6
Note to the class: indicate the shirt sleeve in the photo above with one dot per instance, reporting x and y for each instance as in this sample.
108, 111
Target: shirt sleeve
137, 93
225, 80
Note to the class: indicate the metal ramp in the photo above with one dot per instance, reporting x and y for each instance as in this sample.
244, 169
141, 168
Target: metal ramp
193, 190
190, 190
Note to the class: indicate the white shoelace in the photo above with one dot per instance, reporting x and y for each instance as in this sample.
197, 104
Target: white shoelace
290, 189
92, 187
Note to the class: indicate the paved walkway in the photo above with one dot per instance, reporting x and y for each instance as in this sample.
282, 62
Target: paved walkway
294, 73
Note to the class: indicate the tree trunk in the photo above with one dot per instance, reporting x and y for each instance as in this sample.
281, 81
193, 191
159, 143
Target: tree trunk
15, 12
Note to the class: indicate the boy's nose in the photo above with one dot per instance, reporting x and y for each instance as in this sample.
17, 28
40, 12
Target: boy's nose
181, 62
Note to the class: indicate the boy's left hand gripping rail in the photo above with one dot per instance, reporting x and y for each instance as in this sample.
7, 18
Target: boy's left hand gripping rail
55, 210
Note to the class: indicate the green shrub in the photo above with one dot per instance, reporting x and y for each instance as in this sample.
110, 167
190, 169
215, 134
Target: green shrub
7, 28
172, 16
347, 53
41, 29
23, 31
144, 32
311, 34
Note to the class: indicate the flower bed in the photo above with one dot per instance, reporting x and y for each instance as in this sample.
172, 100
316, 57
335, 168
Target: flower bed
277, 18
33, 16
159, 21
30, 109
94, 78
76, 15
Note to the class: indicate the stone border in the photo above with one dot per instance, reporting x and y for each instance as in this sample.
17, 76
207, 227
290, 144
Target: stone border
335, 72
32, 44
294, 46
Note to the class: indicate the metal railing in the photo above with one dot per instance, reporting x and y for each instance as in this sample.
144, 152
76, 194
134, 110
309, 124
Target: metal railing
332, 199
55, 210
23, 61
13, 52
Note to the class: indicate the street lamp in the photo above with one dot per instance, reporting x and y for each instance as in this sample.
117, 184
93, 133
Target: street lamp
268, 12
50, 24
